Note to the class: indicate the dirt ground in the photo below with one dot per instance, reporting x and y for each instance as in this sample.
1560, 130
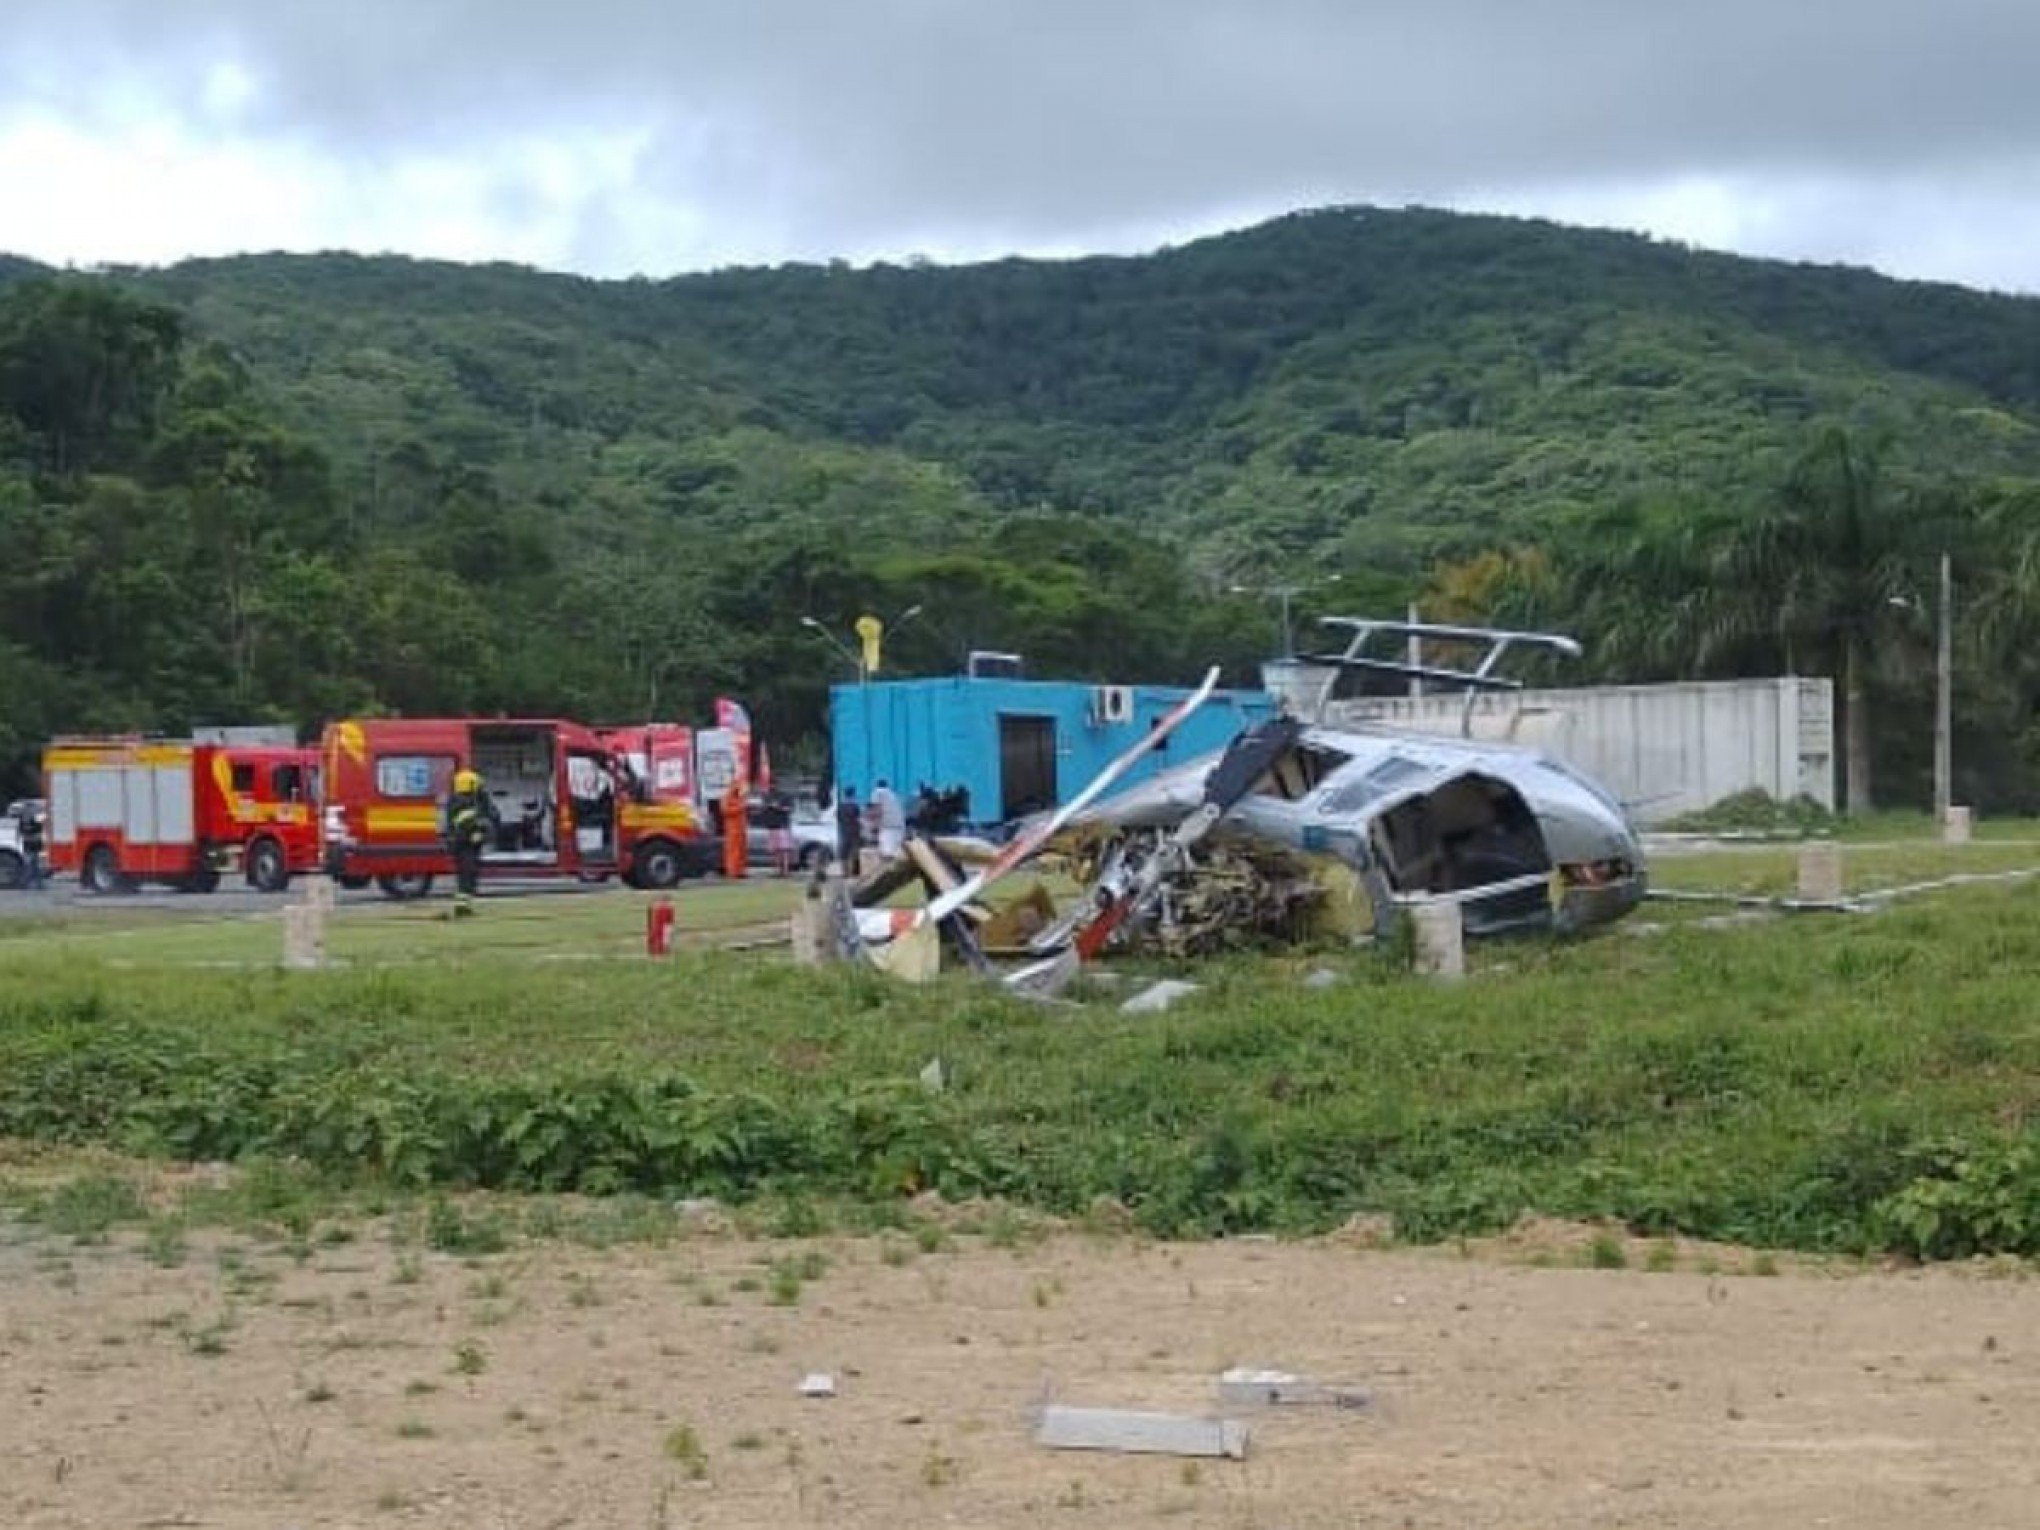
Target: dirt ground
556, 1386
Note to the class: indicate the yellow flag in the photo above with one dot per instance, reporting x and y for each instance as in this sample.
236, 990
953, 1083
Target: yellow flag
869, 630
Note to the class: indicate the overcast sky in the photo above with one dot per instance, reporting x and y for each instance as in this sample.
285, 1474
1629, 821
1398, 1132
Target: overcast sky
634, 136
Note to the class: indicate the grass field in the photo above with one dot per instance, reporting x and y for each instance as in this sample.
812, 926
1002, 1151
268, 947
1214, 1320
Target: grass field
1827, 1082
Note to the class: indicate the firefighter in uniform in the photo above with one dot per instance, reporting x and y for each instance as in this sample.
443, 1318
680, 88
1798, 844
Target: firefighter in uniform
468, 824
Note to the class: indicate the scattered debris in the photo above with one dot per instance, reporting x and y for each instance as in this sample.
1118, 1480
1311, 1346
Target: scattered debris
934, 1077
1245, 1387
1157, 997
1161, 1434
817, 1384
1302, 828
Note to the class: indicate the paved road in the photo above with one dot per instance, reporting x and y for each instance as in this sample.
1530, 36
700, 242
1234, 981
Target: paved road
233, 898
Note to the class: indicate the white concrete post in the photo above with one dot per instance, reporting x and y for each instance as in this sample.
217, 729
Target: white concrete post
1440, 941
1820, 872
1956, 825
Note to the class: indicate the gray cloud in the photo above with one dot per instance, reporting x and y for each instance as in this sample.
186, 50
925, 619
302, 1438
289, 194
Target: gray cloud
809, 127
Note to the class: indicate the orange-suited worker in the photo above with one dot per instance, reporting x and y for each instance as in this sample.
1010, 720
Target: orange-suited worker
735, 849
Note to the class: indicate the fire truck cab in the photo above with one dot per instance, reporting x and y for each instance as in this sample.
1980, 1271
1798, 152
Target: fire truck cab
565, 805
129, 810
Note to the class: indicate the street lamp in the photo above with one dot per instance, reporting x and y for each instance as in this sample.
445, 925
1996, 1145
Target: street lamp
856, 662
1286, 593
1944, 688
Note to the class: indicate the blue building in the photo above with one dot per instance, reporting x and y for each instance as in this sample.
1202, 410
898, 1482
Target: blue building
1016, 746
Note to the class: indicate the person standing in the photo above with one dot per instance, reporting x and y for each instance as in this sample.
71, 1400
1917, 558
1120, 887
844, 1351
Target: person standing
777, 818
30, 819
849, 830
736, 847
467, 823
889, 818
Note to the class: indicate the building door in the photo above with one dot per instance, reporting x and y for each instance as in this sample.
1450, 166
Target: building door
1026, 765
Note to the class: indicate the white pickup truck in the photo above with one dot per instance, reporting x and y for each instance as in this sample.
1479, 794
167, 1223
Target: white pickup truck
13, 860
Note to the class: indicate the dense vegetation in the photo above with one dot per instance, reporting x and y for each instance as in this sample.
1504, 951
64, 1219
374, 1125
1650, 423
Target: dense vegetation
1848, 1085
290, 486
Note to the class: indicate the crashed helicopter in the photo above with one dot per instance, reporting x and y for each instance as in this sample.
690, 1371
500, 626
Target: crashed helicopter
1313, 822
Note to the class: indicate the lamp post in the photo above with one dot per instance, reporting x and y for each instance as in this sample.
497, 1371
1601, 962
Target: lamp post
1944, 687
1944, 699
1286, 594
841, 647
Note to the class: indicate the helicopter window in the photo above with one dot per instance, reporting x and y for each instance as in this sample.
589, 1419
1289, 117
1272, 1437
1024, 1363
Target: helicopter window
1300, 771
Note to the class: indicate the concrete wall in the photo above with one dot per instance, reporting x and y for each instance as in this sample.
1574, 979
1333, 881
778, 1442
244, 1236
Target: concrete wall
1663, 749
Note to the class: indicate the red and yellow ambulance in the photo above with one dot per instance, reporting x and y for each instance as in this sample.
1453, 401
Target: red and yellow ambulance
566, 805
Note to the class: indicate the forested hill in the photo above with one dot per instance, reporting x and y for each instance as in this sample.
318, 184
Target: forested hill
489, 486
1348, 382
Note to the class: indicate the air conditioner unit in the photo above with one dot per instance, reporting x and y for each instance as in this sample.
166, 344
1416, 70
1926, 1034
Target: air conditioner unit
1112, 703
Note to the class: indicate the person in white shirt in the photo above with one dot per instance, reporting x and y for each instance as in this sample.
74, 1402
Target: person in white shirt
890, 814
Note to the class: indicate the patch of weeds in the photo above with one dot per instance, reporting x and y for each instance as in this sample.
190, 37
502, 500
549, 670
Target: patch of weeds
750, 1439
1046, 1291
583, 1292
683, 1445
209, 1341
391, 1501
785, 1288
319, 1392
795, 1217
420, 1387
451, 1230
762, 1344
1663, 1257
408, 1272
85, 1208
746, 1284
1072, 1496
1006, 1228
1606, 1252
469, 1358
929, 1237
895, 1253
1765, 1263
708, 1296
163, 1243
1190, 1475
937, 1469
414, 1429
488, 1288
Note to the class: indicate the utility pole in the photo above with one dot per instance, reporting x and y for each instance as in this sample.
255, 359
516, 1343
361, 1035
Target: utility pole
1944, 699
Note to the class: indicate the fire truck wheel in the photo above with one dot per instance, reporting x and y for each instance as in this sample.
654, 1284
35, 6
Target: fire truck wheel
268, 871
102, 872
13, 869
203, 880
406, 887
658, 866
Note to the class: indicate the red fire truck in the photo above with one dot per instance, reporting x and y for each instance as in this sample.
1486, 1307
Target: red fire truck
565, 804
128, 810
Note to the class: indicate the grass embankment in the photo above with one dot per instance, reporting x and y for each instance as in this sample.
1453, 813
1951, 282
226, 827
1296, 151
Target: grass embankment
1824, 1083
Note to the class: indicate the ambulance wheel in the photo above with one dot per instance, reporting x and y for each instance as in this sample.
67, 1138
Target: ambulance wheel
101, 873
658, 866
268, 871
415, 884
13, 870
